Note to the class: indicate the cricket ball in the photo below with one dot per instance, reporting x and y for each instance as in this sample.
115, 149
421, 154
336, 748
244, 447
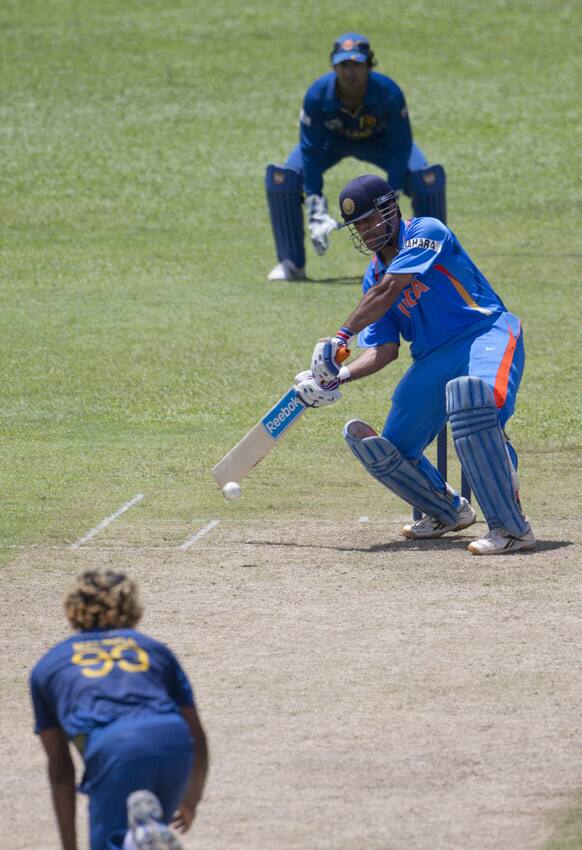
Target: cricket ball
231, 491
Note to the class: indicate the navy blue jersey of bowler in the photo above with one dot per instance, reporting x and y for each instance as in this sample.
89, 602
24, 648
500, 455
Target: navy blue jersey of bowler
92, 679
118, 694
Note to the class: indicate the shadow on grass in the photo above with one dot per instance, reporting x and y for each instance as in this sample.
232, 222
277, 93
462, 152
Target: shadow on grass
337, 281
448, 544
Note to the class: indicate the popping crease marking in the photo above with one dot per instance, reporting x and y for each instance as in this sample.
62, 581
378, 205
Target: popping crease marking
108, 520
191, 540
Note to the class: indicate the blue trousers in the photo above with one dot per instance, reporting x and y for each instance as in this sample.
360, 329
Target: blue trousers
155, 754
493, 351
363, 151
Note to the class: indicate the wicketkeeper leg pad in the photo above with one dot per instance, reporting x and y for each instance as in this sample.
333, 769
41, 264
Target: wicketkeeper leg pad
387, 465
427, 191
481, 448
284, 188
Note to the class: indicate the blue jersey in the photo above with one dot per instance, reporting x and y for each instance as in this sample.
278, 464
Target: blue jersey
94, 678
327, 125
448, 296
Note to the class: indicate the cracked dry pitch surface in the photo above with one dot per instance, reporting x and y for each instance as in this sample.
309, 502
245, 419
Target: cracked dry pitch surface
358, 690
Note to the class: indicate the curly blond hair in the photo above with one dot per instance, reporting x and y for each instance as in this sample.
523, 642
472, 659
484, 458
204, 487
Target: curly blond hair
103, 599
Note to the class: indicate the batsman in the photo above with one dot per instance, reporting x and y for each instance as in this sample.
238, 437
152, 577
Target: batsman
467, 363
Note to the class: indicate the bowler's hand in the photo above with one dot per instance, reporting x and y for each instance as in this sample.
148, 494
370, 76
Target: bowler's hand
182, 820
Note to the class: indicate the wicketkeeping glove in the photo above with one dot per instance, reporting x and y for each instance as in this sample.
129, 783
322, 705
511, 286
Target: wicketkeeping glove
320, 223
313, 394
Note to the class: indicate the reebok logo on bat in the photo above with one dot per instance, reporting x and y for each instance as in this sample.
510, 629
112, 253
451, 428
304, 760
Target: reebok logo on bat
282, 415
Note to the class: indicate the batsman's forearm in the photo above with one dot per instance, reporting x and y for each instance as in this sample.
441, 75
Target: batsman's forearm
64, 801
371, 308
372, 361
377, 301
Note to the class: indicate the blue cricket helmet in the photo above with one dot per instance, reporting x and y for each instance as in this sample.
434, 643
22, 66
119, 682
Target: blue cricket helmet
361, 197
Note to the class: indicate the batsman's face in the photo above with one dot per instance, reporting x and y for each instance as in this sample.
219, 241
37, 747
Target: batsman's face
377, 229
372, 230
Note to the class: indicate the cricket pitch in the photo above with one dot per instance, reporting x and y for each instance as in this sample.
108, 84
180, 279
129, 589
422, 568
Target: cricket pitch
358, 690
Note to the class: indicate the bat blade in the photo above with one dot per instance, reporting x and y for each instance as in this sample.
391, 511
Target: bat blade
260, 440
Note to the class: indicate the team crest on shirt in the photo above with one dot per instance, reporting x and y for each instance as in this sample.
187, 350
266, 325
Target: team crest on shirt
348, 206
368, 122
431, 244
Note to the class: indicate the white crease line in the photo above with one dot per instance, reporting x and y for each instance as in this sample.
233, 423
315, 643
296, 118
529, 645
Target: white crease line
199, 534
108, 520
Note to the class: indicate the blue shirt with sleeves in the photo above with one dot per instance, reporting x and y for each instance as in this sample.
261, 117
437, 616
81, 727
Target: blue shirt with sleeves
448, 296
92, 679
328, 128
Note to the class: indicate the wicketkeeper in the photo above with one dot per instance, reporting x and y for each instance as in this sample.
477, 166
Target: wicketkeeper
468, 359
352, 111
124, 701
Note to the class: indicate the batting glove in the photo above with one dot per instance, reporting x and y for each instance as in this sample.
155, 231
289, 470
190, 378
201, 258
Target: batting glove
313, 394
325, 363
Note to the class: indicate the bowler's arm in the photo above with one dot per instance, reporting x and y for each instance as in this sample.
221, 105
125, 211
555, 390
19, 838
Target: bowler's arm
193, 793
377, 300
61, 772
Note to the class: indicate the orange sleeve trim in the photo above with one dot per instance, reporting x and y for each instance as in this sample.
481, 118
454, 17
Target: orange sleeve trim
502, 376
462, 291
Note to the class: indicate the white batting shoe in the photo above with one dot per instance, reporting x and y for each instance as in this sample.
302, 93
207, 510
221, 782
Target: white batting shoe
144, 817
286, 270
498, 541
427, 527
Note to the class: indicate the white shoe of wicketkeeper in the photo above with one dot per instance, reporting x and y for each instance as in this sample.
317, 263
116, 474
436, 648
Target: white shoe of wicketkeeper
286, 270
144, 817
427, 527
499, 542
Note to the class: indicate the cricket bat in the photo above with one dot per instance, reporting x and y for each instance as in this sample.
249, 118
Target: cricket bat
264, 436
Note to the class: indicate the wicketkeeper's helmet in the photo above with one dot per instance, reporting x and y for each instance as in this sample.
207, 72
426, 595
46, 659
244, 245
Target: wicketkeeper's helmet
352, 47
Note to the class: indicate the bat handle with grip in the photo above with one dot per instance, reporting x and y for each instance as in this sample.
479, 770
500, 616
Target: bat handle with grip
342, 354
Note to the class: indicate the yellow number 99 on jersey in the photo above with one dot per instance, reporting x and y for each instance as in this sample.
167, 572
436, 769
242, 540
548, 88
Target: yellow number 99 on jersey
98, 658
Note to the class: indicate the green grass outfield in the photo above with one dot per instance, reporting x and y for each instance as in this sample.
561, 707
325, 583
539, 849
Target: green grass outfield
139, 338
